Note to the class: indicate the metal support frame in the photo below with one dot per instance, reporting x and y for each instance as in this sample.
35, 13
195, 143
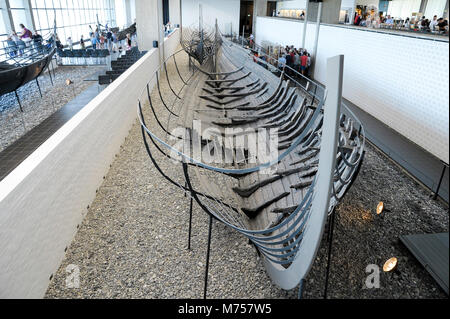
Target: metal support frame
436, 192
190, 224
330, 249
18, 100
301, 287
50, 73
205, 290
39, 87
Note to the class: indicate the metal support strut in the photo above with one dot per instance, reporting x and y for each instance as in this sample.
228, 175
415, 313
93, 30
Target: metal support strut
300, 289
436, 192
207, 256
39, 87
330, 247
190, 224
18, 100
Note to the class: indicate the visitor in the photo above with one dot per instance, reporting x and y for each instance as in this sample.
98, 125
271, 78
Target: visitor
36, 36
37, 41
26, 35
93, 41
14, 37
12, 46
389, 21
82, 44
424, 24
115, 42
281, 62
433, 24
407, 23
297, 61
129, 42
308, 64
101, 42
357, 20
443, 25
303, 63
58, 42
251, 39
70, 43
109, 39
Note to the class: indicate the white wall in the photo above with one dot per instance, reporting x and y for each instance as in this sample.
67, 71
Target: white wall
435, 7
382, 76
227, 12
403, 8
44, 199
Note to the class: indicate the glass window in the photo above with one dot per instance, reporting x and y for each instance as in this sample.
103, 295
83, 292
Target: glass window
73, 17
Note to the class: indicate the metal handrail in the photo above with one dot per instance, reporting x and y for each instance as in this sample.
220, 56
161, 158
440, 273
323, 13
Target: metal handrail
23, 56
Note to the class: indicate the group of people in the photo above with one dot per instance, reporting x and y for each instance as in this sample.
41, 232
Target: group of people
101, 41
20, 42
297, 59
420, 24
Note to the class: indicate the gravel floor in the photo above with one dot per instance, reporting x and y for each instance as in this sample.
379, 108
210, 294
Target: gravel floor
14, 124
133, 241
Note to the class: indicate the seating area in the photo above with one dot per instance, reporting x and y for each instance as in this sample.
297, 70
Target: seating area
83, 57
121, 65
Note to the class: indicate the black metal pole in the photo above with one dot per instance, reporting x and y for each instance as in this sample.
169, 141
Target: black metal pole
436, 193
330, 247
190, 225
50, 74
300, 289
39, 87
207, 257
18, 100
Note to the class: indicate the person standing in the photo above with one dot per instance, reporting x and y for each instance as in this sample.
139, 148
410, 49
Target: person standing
252, 39
433, 24
82, 44
115, 42
303, 62
129, 42
297, 61
26, 35
70, 43
109, 39
94, 41
357, 20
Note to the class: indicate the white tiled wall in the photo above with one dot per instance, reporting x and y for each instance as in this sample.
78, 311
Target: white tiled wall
402, 81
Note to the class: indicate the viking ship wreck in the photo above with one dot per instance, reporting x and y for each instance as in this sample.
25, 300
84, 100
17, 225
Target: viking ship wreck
202, 138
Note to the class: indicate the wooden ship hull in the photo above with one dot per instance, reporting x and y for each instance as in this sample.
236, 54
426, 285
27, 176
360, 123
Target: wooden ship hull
280, 202
13, 77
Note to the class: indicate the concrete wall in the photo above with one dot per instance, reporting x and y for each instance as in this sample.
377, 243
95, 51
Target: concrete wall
149, 23
330, 11
175, 11
382, 76
259, 9
292, 4
44, 199
227, 12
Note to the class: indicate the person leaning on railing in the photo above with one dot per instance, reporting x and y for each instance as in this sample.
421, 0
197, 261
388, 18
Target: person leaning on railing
11, 48
25, 35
